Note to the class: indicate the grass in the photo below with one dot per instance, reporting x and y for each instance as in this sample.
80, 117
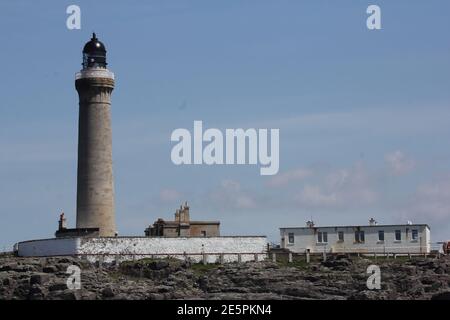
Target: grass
398, 259
116, 275
296, 263
145, 261
200, 268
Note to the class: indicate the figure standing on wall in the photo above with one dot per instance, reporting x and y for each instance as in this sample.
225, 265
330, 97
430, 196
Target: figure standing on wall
62, 221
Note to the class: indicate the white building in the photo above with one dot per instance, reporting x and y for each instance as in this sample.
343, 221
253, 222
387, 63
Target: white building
372, 238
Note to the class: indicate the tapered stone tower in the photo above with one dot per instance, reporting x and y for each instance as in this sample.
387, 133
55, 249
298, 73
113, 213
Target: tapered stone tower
95, 185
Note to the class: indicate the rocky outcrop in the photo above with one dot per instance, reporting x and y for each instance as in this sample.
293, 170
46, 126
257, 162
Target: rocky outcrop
338, 278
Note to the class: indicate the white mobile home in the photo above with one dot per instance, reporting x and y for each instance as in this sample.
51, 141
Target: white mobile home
373, 238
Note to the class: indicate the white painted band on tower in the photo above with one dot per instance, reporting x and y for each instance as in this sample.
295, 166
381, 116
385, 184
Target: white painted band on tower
94, 73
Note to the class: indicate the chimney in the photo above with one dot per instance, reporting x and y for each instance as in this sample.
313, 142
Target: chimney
184, 213
310, 224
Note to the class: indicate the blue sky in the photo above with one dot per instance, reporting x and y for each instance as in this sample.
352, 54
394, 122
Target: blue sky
364, 116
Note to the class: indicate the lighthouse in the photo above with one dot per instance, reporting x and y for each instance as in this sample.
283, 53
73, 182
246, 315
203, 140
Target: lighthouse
95, 184
95, 222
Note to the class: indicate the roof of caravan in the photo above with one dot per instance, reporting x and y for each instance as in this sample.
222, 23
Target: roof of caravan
362, 226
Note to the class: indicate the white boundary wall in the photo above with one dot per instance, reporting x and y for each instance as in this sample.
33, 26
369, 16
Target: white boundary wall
49, 247
212, 249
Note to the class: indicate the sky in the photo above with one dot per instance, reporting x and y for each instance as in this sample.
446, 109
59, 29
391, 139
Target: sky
364, 115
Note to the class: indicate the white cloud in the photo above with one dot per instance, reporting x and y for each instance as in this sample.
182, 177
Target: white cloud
398, 163
230, 195
382, 121
170, 195
343, 188
315, 196
286, 178
431, 202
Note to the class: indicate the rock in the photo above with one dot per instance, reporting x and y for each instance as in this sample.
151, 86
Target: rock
178, 295
62, 267
416, 291
311, 278
155, 296
50, 269
88, 295
236, 289
8, 282
301, 292
338, 278
65, 295
410, 270
203, 282
21, 290
39, 278
365, 295
58, 286
23, 268
36, 296
35, 289
158, 265
428, 280
163, 289
439, 270
441, 296
337, 264
8, 267
107, 292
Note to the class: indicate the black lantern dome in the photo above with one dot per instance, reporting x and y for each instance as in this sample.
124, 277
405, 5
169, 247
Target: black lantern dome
94, 54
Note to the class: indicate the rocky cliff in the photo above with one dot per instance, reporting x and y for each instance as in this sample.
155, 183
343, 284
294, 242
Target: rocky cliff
338, 278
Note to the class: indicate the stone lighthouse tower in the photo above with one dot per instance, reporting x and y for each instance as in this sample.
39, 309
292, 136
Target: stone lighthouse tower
95, 186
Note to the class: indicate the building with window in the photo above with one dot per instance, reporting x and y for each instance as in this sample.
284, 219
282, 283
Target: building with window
371, 238
183, 226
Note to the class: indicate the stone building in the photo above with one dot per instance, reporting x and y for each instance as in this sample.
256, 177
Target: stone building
183, 226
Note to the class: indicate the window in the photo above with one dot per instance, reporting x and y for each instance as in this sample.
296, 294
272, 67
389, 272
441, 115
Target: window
322, 237
341, 236
380, 235
290, 238
398, 235
415, 234
359, 236
203, 233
